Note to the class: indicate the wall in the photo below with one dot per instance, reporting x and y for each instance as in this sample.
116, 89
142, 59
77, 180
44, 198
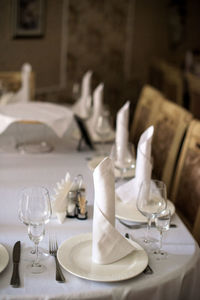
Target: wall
42, 53
116, 39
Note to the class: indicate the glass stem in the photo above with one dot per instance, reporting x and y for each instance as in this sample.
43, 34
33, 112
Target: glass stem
148, 229
36, 261
161, 241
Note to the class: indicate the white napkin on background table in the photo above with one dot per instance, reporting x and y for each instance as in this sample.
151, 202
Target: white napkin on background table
81, 106
122, 132
57, 117
108, 245
98, 109
128, 192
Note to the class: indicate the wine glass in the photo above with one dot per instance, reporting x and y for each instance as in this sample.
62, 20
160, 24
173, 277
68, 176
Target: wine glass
35, 211
123, 157
103, 129
162, 222
151, 201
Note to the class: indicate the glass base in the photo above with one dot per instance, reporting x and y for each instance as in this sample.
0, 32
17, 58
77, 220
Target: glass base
40, 147
36, 268
160, 254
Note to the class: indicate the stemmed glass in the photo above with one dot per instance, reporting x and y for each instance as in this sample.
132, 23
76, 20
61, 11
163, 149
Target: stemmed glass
123, 157
103, 128
35, 211
162, 222
151, 201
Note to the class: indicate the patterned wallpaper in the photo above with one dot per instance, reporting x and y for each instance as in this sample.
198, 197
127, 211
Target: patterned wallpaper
96, 41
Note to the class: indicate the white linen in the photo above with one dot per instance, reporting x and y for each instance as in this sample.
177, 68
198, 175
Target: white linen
122, 132
174, 278
82, 105
60, 200
57, 117
108, 245
128, 192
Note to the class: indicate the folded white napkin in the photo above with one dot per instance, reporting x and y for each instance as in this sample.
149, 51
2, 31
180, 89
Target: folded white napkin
60, 200
108, 245
128, 192
122, 132
98, 109
57, 117
81, 107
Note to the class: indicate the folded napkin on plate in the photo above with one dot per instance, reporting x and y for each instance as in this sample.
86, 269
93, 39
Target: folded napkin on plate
60, 201
108, 245
81, 107
128, 192
57, 117
122, 132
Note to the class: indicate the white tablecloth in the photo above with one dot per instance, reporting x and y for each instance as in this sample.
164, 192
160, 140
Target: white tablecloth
177, 277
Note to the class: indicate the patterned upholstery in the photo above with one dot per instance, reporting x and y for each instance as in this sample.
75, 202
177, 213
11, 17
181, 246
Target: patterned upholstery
11, 81
186, 186
193, 83
148, 106
170, 123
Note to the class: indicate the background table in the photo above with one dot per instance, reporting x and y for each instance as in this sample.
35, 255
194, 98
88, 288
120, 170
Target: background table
177, 277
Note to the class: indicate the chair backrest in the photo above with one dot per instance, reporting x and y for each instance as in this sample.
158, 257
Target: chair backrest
156, 74
170, 124
146, 110
186, 185
193, 83
173, 84
12, 81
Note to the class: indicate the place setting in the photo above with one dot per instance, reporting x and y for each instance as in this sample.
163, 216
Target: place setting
142, 201
103, 255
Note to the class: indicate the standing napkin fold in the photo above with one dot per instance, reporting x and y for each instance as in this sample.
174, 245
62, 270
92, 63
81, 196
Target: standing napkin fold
81, 106
128, 192
108, 245
122, 133
97, 110
60, 202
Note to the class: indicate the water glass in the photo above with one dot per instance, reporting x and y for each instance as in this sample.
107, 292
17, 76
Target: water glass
162, 222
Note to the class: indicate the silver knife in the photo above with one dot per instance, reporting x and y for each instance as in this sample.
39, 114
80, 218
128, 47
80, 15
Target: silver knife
15, 280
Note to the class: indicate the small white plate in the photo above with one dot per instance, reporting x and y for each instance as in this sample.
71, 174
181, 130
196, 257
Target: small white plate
4, 258
75, 256
129, 211
93, 163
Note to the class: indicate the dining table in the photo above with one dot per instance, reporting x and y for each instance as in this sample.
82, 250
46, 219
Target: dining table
175, 277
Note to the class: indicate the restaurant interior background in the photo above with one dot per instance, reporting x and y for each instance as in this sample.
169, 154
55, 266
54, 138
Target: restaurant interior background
116, 39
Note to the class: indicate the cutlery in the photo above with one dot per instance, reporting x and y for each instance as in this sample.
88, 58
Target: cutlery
15, 280
148, 269
53, 248
142, 225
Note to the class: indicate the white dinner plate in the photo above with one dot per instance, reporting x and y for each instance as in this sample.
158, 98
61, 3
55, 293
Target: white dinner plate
129, 211
93, 163
4, 258
75, 256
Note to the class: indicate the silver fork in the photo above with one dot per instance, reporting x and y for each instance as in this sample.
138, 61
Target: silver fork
53, 248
